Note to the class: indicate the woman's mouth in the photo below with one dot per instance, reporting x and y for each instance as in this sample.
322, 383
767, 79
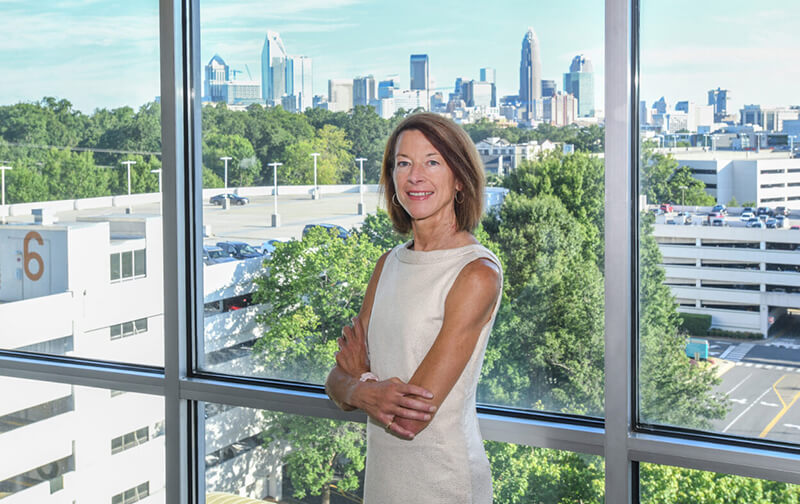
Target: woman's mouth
419, 195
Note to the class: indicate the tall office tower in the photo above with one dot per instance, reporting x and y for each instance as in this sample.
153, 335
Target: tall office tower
719, 99
420, 72
273, 69
216, 77
364, 90
488, 75
530, 75
579, 82
477, 94
548, 88
340, 95
387, 87
298, 83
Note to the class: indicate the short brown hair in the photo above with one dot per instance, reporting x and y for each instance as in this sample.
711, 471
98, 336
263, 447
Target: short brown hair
460, 154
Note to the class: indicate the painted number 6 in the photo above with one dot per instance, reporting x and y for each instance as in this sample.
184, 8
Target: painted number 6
28, 256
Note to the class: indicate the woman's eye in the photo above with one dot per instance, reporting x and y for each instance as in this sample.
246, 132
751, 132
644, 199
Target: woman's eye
402, 164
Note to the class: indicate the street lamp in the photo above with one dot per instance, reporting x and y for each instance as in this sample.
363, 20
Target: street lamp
3, 189
226, 159
361, 185
128, 164
683, 188
158, 170
276, 219
315, 192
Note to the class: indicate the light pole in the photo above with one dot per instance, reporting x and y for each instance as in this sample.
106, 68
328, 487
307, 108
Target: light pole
128, 164
158, 170
315, 192
276, 219
361, 185
226, 159
683, 188
3, 189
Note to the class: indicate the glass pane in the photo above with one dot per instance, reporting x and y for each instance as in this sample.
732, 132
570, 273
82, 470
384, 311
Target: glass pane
720, 304
245, 457
296, 107
80, 134
81, 437
660, 483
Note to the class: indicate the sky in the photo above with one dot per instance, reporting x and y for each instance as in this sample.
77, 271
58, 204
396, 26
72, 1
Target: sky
105, 53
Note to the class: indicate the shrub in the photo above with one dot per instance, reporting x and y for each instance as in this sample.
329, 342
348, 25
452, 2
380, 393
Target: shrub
735, 334
695, 324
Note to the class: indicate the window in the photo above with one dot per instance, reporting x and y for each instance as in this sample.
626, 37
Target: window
121, 121
132, 495
129, 440
126, 329
129, 264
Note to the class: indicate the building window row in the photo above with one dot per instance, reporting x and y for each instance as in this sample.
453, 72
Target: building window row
226, 453
765, 172
772, 200
768, 186
130, 440
698, 171
128, 265
227, 304
36, 413
130, 328
132, 495
57, 346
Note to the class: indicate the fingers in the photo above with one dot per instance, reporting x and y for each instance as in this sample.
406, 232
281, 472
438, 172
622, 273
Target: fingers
408, 389
412, 414
400, 431
415, 404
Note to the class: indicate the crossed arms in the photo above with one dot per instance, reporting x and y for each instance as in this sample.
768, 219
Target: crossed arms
407, 408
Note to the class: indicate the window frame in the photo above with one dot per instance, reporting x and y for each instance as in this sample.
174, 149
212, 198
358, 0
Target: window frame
618, 436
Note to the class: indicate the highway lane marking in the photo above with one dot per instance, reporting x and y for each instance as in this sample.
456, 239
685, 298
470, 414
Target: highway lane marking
791, 426
739, 401
770, 404
782, 411
727, 351
740, 415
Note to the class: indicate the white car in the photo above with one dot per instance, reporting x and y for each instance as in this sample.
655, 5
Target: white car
746, 216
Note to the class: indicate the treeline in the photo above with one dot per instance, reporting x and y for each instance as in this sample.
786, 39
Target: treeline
58, 152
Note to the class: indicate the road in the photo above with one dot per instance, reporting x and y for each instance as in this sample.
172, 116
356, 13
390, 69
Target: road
762, 382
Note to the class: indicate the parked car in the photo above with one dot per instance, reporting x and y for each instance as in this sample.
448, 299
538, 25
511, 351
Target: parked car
762, 210
341, 232
756, 224
772, 223
268, 247
213, 255
795, 227
718, 221
752, 222
235, 199
781, 221
239, 250
782, 210
746, 216
721, 209
748, 209
666, 208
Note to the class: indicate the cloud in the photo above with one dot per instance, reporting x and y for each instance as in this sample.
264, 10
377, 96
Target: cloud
257, 10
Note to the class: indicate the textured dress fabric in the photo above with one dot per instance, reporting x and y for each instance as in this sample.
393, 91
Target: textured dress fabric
446, 462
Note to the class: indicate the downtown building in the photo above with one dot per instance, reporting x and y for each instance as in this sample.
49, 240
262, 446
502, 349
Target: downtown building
579, 82
285, 76
530, 78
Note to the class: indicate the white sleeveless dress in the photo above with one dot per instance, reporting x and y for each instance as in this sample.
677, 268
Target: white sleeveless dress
446, 462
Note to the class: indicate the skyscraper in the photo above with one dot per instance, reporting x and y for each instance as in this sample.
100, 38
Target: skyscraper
719, 99
489, 75
548, 88
364, 90
216, 76
298, 82
530, 75
273, 69
420, 76
579, 82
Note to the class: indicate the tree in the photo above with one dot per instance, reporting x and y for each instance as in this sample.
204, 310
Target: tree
311, 289
335, 163
321, 452
665, 181
243, 167
367, 133
73, 175
378, 229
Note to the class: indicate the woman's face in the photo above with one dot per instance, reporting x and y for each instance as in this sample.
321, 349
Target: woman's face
424, 183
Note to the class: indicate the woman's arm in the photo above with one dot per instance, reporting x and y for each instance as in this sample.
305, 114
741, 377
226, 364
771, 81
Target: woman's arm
382, 400
469, 305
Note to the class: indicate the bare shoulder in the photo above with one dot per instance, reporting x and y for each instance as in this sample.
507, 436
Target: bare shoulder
480, 279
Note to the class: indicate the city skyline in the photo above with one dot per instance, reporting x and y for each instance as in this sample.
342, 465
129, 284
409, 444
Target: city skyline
683, 55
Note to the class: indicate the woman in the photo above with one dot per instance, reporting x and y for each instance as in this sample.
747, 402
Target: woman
412, 358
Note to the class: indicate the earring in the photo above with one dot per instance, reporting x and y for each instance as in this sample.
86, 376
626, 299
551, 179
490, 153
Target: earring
394, 200
459, 201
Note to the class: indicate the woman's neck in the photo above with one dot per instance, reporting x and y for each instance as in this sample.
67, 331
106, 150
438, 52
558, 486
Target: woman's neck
429, 236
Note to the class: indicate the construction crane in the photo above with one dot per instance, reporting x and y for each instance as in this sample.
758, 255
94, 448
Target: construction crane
234, 72
249, 76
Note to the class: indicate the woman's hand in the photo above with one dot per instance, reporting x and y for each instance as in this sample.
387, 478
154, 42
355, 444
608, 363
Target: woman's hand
387, 399
352, 356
